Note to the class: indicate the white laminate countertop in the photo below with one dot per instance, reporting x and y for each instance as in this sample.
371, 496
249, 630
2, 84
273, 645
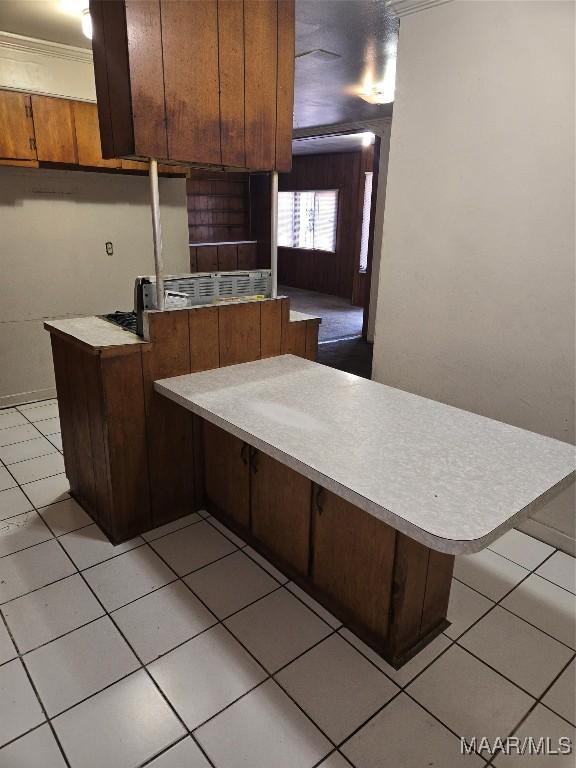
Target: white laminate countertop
448, 478
94, 332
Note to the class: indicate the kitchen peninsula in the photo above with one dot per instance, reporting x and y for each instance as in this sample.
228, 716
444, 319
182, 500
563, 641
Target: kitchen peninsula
359, 492
123, 443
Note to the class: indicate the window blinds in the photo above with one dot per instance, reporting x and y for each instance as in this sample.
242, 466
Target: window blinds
366, 221
308, 219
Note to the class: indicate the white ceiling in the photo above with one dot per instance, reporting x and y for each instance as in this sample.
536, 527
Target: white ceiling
339, 43
55, 20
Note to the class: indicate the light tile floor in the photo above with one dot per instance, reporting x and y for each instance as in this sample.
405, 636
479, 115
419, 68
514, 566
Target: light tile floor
184, 648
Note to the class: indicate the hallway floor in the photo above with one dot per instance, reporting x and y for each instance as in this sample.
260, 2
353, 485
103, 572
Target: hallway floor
184, 648
340, 320
340, 338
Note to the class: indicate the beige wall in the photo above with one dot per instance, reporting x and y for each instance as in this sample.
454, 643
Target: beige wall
54, 226
476, 296
53, 230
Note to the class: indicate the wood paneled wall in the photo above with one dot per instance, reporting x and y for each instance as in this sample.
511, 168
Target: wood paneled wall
332, 273
225, 257
218, 207
260, 229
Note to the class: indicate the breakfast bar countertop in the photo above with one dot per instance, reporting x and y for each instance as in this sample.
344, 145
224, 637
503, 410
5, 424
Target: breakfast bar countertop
450, 479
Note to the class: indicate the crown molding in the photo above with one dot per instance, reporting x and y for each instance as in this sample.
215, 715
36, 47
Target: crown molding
12, 42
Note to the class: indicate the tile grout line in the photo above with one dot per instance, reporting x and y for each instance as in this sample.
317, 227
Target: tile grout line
335, 631
142, 666
533, 707
269, 675
499, 603
280, 586
35, 690
31, 458
272, 676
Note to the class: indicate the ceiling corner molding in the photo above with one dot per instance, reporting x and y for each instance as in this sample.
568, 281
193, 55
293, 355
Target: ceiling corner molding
378, 126
401, 8
12, 42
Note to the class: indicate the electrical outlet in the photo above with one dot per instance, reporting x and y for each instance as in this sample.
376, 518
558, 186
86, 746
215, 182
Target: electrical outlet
109, 248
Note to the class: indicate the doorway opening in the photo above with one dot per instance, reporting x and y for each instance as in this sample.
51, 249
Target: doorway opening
325, 234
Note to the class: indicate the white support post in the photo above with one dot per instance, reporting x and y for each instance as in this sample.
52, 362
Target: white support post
157, 234
274, 234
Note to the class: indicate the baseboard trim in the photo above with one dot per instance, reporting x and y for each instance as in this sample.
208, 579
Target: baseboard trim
27, 397
549, 535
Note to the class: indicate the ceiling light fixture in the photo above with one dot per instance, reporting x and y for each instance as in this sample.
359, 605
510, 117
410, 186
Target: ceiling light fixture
382, 92
87, 24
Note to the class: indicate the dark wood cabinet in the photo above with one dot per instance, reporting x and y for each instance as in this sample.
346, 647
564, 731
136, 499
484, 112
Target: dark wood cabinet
134, 458
227, 473
280, 510
54, 129
353, 556
207, 258
16, 126
209, 82
247, 258
392, 588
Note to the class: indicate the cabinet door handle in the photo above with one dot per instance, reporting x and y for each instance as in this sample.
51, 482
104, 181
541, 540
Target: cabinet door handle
319, 499
28, 110
254, 459
32, 143
244, 453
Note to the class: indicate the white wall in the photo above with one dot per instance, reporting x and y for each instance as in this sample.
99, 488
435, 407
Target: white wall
54, 226
476, 301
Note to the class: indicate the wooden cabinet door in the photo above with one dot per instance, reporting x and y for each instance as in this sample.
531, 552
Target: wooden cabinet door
207, 258
54, 129
226, 473
16, 126
280, 510
227, 258
353, 559
88, 136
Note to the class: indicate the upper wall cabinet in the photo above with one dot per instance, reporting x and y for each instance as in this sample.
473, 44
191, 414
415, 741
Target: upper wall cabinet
209, 82
88, 136
54, 129
16, 126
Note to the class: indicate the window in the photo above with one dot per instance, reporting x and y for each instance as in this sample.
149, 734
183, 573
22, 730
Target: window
308, 219
366, 221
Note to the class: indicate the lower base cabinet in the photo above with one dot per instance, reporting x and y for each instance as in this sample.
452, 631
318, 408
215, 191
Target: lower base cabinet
227, 473
353, 560
280, 510
388, 588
